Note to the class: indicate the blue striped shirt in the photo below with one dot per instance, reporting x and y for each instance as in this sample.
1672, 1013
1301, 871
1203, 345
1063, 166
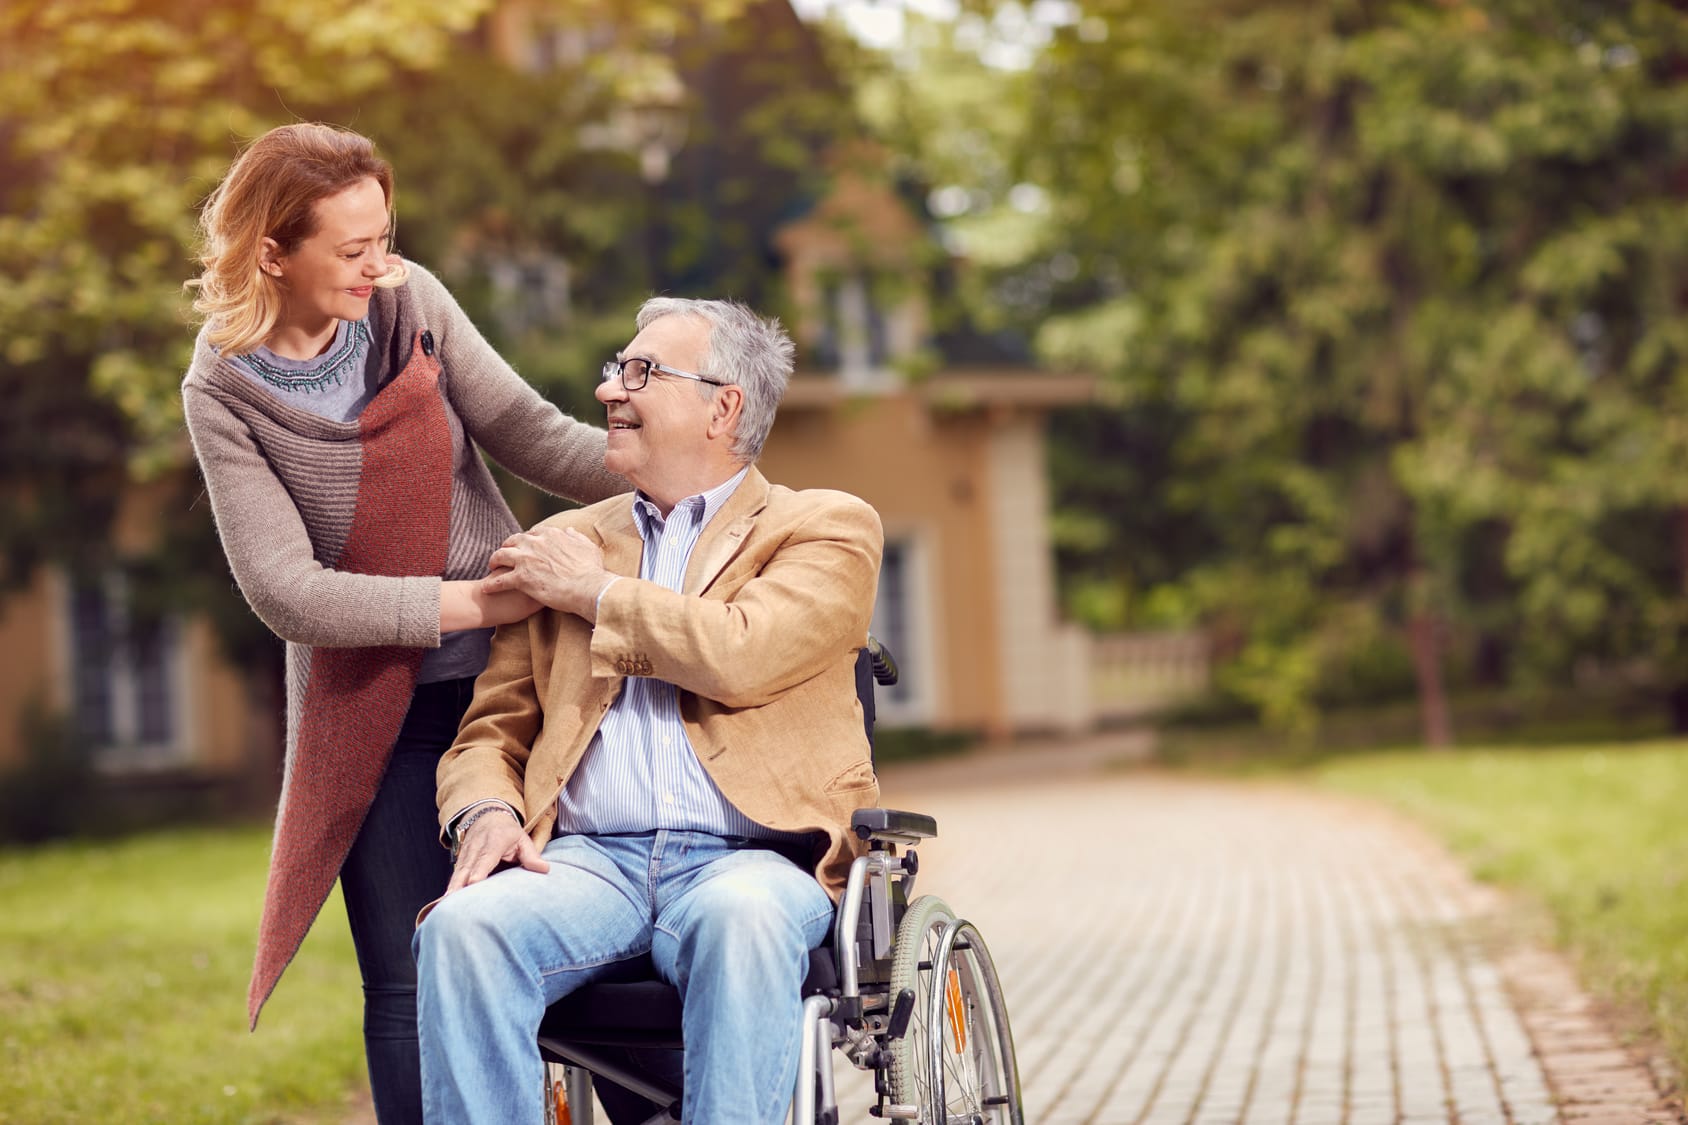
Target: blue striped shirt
640, 772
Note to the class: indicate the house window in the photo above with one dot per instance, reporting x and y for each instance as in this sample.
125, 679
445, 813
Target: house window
125, 675
91, 648
550, 45
900, 618
531, 291
891, 613
851, 337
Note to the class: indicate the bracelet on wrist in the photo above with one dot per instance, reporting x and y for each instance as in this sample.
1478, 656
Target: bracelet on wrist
468, 822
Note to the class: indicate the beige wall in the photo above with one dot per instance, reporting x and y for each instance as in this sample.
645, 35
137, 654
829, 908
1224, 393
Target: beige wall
963, 482
926, 473
224, 733
1044, 666
216, 727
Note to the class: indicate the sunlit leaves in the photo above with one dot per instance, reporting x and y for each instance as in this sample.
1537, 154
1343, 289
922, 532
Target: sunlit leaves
121, 115
1407, 277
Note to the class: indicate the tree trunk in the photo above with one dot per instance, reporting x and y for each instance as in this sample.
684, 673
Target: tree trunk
1678, 702
1677, 697
1424, 635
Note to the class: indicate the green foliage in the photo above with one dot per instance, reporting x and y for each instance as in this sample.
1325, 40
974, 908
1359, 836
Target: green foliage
120, 117
62, 457
918, 744
1398, 286
117, 119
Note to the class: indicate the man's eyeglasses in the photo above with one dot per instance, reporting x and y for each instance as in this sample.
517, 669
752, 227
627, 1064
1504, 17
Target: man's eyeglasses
635, 372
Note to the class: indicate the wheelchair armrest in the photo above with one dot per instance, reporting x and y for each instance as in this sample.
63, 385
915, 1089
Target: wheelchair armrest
893, 824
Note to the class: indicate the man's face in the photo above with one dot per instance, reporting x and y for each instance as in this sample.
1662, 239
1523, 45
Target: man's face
658, 433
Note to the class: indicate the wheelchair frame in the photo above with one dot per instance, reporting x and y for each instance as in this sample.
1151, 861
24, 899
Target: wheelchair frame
905, 989
917, 1001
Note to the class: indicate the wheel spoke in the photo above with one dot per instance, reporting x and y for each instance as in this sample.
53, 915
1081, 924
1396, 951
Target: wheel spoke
958, 1014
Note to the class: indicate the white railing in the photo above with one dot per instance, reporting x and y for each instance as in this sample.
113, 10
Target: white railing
1136, 674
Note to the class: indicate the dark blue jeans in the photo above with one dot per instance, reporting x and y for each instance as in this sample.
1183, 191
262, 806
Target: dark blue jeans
397, 866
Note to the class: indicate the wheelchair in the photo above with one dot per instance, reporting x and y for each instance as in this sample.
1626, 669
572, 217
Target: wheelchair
905, 989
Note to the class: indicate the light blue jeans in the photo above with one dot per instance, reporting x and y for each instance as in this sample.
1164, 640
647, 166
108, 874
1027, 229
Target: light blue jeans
730, 926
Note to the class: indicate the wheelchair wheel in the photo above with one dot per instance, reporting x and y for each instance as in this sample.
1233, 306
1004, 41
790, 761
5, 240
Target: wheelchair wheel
956, 1060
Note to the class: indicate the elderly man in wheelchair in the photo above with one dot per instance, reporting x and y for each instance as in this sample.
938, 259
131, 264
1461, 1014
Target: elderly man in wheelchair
661, 775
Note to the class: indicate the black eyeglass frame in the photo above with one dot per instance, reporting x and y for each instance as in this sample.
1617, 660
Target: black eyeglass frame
617, 368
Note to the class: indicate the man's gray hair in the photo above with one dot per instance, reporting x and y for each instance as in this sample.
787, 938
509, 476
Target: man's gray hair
751, 352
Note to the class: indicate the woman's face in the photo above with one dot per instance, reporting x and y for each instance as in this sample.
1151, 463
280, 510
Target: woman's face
330, 275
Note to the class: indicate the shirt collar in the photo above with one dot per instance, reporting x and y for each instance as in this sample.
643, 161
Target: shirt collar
699, 509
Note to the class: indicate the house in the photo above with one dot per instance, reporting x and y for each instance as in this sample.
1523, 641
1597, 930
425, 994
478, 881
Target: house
953, 459
946, 442
944, 438
93, 669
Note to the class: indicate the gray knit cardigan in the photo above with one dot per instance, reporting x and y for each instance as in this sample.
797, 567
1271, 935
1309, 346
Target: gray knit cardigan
291, 495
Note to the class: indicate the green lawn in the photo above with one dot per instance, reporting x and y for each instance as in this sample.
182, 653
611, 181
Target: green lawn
1597, 834
123, 971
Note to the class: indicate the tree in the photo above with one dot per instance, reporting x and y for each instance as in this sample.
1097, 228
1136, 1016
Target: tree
1393, 286
116, 120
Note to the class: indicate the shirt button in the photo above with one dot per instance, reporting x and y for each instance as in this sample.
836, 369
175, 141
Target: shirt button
668, 798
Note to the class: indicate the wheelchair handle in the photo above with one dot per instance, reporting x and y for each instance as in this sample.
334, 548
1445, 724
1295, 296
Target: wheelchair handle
884, 664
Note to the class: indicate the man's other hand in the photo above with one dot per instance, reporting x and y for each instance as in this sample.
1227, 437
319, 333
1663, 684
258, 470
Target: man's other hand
492, 840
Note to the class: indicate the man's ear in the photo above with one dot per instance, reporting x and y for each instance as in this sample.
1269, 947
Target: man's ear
269, 257
725, 411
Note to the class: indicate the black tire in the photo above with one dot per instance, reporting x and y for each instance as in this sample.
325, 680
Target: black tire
956, 1061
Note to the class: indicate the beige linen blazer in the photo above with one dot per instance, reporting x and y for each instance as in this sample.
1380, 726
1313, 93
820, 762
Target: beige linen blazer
761, 644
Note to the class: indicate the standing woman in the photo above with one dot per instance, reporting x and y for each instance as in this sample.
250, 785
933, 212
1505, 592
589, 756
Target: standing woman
337, 401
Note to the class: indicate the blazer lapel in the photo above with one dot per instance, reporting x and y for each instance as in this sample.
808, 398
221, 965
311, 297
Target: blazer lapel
619, 538
727, 532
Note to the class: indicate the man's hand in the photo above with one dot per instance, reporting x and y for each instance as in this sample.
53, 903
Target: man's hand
560, 569
493, 839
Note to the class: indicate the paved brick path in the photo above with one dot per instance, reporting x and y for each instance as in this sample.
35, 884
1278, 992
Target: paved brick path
1184, 951
1189, 952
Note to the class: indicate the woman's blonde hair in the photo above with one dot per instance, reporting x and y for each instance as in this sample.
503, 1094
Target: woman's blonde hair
271, 191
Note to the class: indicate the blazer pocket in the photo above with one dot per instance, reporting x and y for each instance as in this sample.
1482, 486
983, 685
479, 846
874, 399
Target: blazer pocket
858, 775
